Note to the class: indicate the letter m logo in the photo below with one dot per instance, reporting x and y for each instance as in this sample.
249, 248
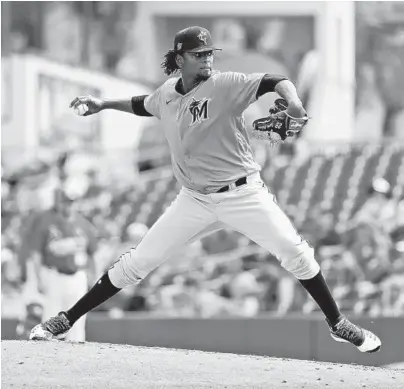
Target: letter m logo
199, 110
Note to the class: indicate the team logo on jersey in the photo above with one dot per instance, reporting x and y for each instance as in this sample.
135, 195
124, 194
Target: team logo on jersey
203, 37
199, 110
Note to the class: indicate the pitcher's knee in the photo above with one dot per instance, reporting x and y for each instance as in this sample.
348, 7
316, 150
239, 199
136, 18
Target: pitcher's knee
302, 263
125, 272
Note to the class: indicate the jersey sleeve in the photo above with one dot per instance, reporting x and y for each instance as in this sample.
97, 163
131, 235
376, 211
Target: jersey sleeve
241, 88
153, 103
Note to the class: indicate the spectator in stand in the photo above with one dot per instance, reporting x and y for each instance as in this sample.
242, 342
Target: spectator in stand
59, 247
131, 299
204, 302
393, 296
268, 277
220, 242
379, 208
245, 292
397, 237
174, 299
320, 230
370, 251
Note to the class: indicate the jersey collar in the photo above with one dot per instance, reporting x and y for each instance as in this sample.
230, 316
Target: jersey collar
179, 88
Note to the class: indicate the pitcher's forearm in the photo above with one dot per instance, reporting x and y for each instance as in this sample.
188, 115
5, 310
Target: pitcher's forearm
287, 91
134, 105
123, 105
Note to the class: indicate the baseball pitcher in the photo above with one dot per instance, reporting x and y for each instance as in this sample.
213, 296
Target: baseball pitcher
202, 115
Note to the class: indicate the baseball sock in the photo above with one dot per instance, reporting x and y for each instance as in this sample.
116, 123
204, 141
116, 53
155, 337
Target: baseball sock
100, 292
318, 289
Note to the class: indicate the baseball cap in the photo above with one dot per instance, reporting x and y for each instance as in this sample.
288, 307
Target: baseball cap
194, 39
380, 185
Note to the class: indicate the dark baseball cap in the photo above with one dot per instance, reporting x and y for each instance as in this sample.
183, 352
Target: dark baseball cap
194, 39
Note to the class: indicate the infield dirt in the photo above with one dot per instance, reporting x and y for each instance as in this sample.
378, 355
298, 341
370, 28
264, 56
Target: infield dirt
55, 364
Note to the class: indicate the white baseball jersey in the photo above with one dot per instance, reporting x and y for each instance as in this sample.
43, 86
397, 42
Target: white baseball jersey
205, 128
210, 149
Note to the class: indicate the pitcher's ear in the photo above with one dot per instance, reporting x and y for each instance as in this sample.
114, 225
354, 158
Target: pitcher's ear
179, 59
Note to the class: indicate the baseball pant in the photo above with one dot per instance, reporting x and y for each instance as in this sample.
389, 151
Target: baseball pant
250, 209
63, 291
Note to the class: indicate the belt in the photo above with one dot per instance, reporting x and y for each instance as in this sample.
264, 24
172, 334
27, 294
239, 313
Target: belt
239, 182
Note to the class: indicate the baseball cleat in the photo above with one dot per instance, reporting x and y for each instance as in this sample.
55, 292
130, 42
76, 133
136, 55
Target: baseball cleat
56, 327
347, 332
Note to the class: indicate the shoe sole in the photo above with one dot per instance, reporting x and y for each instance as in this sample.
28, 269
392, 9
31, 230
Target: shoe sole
48, 339
340, 340
45, 335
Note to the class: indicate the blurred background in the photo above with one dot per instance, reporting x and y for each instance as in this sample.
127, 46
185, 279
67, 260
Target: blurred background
341, 182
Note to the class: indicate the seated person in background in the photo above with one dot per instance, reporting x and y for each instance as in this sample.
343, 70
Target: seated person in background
379, 208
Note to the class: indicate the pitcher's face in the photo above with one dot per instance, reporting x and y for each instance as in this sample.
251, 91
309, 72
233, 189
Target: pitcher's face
197, 65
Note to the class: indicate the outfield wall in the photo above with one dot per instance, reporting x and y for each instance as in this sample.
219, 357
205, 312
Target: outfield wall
287, 337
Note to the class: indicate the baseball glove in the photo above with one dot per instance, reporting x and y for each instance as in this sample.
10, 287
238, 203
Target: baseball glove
279, 125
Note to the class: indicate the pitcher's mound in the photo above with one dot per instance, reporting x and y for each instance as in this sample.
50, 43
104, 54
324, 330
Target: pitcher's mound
99, 365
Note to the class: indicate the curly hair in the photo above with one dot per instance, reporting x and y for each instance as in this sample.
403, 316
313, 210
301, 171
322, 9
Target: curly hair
169, 64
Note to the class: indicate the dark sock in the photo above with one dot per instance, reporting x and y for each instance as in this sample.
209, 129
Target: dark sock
318, 289
100, 292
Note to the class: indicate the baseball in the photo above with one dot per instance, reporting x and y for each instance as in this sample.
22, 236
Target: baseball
81, 109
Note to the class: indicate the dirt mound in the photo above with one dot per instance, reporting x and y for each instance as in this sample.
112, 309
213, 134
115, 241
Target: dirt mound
100, 365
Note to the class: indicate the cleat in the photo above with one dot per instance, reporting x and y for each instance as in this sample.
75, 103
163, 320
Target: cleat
55, 328
347, 332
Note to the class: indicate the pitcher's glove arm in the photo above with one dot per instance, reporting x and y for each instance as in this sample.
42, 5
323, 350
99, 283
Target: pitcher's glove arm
279, 125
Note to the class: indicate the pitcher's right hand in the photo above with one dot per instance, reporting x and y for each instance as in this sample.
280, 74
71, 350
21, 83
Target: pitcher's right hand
94, 104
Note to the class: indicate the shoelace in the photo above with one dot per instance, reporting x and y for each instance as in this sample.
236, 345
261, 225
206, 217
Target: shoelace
57, 325
349, 331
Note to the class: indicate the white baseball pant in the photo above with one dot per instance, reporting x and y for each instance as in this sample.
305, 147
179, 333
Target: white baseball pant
250, 209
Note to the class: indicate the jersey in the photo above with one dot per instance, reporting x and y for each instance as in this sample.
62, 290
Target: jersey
206, 131
64, 244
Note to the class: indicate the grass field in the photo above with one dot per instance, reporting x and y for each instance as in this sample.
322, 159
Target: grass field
99, 365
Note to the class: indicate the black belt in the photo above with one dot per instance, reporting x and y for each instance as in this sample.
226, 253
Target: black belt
239, 182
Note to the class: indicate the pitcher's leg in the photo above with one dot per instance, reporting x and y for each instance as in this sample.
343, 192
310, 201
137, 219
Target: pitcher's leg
259, 217
181, 222
186, 218
256, 214
215, 227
